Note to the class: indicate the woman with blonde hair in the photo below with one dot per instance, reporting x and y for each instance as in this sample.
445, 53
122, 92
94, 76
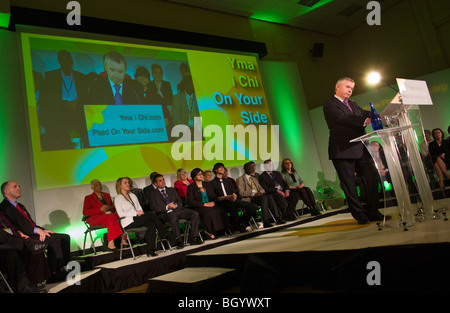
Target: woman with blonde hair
132, 215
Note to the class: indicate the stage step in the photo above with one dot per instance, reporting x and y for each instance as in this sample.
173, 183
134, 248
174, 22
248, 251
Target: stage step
193, 279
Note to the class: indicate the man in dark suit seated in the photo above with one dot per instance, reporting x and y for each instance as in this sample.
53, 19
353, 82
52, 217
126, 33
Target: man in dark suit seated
31, 251
250, 190
58, 250
168, 205
116, 87
12, 264
228, 199
275, 186
347, 121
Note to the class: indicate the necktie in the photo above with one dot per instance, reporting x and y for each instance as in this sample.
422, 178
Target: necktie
347, 104
165, 195
25, 214
223, 187
117, 96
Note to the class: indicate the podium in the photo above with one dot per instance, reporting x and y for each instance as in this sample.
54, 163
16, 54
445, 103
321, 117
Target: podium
398, 140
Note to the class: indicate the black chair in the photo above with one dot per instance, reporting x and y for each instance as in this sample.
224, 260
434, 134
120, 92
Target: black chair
5, 288
126, 232
89, 230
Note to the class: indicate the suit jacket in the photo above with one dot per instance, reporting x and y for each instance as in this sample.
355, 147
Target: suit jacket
269, 184
194, 195
102, 92
245, 188
4, 222
227, 183
157, 201
344, 125
127, 210
180, 110
17, 219
152, 96
92, 204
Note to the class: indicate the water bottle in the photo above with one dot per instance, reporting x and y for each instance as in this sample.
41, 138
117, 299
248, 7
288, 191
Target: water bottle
375, 118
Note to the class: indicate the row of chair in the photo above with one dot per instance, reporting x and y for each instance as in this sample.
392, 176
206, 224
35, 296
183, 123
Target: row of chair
184, 225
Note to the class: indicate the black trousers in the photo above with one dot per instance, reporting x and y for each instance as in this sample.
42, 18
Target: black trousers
182, 213
365, 168
286, 205
232, 208
152, 222
58, 250
267, 204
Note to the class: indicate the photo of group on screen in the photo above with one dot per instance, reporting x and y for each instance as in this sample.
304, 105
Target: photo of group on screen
61, 94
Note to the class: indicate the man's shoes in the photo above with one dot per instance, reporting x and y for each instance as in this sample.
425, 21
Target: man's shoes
378, 217
196, 241
32, 289
362, 220
35, 247
179, 243
151, 253
279, 221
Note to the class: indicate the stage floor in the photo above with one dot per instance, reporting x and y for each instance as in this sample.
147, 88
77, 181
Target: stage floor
321, 252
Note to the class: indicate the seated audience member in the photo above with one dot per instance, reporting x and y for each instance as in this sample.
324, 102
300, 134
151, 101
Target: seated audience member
201, 197
250, 190
58, 245
132, 216
100, 210
275, 186
225, 174
167, 204
424, 151
182, 184
228, 199
440, 155
207, 176
379, 158
30, 252
295, 182
12, 264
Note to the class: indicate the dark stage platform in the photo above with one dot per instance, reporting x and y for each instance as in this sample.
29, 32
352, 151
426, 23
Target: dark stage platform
331, 253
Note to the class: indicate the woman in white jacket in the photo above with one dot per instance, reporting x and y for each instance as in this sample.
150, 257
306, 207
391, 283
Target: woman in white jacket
129, 209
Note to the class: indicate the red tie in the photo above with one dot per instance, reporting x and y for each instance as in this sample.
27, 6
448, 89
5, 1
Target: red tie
26, 215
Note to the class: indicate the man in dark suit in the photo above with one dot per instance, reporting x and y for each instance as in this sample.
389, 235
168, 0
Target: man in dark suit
58, 250
159, 90
61, 114
117, 87
228, 199
32, 251
12, 263
166, 203
346, 121
275, 186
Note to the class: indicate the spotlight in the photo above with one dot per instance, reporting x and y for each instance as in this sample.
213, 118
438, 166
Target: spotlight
374, 78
